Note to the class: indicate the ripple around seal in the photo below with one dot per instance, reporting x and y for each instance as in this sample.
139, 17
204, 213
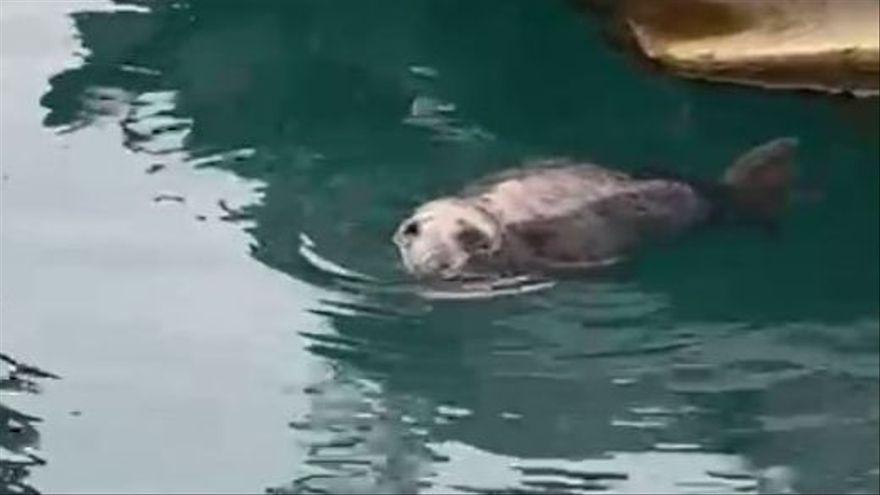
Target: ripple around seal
355, 281
308, 252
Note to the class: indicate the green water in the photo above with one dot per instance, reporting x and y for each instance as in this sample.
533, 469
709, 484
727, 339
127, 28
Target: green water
201, 350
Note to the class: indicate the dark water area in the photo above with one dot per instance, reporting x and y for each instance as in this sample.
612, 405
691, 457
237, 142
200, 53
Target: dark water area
188, 184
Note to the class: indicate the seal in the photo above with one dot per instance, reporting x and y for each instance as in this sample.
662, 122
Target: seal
559, 214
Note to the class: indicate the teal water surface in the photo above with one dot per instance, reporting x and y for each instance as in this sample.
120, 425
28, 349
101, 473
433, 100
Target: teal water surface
186, 184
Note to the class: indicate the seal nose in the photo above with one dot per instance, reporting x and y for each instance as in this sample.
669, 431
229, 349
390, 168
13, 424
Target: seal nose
407, 232
411, 229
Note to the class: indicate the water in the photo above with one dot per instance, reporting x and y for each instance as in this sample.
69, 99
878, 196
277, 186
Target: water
197, 202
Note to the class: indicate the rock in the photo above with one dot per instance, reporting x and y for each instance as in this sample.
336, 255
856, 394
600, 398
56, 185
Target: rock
826, 45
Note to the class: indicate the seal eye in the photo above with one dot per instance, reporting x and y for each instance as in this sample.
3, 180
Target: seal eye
411, 229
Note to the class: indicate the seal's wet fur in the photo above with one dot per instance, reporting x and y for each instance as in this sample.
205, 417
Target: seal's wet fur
557, 213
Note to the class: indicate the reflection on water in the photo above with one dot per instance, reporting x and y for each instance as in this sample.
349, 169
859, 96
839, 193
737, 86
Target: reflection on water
19, 437
732, 362
461, 390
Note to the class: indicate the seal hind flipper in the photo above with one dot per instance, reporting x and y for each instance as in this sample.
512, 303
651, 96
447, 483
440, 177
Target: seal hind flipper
759, 181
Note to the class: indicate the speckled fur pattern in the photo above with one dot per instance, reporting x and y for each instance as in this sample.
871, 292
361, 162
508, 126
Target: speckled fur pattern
551, 214
581, 213
558, 213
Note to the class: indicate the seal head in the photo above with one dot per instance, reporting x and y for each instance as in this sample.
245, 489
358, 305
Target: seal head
447, 238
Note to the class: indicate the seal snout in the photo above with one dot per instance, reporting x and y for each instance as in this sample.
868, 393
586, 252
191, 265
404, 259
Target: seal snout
409, 230
424, 256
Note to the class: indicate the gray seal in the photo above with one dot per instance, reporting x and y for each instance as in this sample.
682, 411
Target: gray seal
560, 214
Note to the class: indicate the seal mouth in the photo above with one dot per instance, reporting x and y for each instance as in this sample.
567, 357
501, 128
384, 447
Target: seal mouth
432, 265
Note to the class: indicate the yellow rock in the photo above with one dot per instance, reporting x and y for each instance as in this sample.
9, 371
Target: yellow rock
830, 45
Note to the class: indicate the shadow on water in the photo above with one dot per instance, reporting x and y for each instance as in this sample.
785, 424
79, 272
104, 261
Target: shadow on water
731, 362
